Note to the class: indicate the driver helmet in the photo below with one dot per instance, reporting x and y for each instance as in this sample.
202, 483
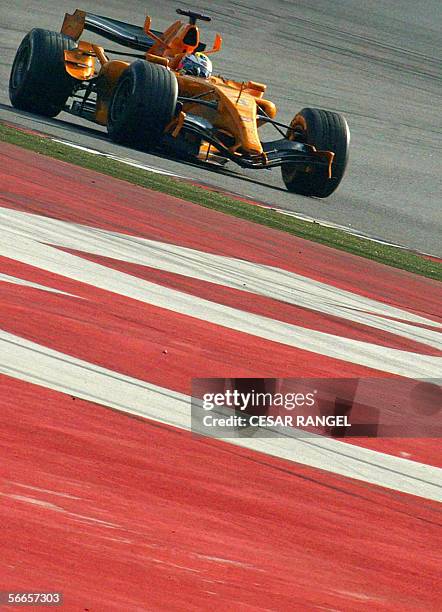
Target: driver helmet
196, 64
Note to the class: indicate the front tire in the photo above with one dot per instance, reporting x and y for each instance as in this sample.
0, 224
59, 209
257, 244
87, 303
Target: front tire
39, 82
143, 103
326, 131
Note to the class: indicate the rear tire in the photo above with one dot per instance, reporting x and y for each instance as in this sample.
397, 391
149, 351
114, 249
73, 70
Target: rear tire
326, 131
143, 103
39, 82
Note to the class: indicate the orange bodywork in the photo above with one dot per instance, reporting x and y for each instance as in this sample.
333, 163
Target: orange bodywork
238, 103
109, 73
236, 112
80, 62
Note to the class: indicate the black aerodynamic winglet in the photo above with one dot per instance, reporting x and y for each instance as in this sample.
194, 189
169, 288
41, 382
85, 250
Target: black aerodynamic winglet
124, 34
120, 32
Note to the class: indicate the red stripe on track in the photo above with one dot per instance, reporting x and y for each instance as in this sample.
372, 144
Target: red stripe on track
90, 198
121, 513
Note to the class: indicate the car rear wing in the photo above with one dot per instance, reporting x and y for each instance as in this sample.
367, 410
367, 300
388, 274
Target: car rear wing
119, 32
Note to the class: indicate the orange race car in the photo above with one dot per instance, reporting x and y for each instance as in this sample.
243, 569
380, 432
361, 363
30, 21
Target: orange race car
168, 97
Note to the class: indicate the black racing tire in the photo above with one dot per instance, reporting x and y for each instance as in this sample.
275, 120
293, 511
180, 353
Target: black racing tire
326, 131
39, 82
142, 104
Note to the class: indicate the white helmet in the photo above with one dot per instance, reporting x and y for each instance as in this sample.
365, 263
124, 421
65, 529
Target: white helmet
196, 64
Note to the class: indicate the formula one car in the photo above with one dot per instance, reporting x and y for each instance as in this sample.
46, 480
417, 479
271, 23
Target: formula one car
167, 97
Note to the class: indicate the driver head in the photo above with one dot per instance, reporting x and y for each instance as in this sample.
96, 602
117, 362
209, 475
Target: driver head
196, 64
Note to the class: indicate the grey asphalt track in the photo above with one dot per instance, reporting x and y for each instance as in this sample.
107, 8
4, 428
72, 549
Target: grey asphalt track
378, 62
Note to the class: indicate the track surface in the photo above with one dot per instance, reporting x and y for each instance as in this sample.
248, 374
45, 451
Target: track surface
116, 299
379, 65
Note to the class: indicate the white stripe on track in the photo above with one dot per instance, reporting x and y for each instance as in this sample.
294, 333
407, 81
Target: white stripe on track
34, 363
25, 283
